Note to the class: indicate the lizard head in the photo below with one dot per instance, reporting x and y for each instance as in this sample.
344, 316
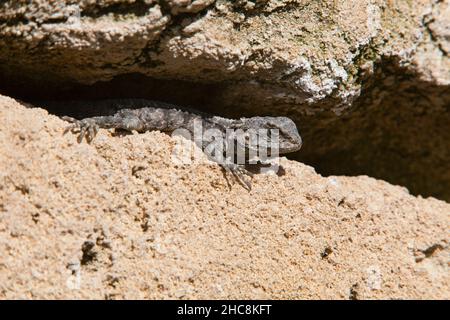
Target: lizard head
289, 139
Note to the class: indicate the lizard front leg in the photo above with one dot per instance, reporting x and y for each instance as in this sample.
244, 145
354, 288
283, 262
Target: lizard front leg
239, 172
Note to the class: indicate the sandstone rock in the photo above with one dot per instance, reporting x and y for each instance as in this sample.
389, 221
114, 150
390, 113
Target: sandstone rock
299, 52
118, 219
368, 81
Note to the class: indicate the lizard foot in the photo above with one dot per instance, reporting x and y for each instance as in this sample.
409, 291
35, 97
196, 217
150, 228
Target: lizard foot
240, 173
86, 128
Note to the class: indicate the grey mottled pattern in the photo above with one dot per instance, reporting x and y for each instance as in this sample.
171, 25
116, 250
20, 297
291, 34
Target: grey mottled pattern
144, 115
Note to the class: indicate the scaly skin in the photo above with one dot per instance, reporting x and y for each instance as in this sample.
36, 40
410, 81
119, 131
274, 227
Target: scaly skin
145, 115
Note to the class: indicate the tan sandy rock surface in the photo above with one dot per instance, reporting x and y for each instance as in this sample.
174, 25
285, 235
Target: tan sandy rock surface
118, 219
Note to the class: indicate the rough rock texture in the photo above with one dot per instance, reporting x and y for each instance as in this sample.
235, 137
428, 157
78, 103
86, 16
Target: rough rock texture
287, 51
367, 80
118, 219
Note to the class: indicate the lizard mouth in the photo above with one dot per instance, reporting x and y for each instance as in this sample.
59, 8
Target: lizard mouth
294, 148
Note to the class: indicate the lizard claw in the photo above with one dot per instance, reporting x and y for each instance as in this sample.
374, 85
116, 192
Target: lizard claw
240, 173
86, 128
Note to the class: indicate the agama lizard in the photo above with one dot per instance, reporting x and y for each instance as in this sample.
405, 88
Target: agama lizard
143, 115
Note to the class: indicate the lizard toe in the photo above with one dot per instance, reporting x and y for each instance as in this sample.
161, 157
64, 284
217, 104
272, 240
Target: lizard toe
86, 128
240, 174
